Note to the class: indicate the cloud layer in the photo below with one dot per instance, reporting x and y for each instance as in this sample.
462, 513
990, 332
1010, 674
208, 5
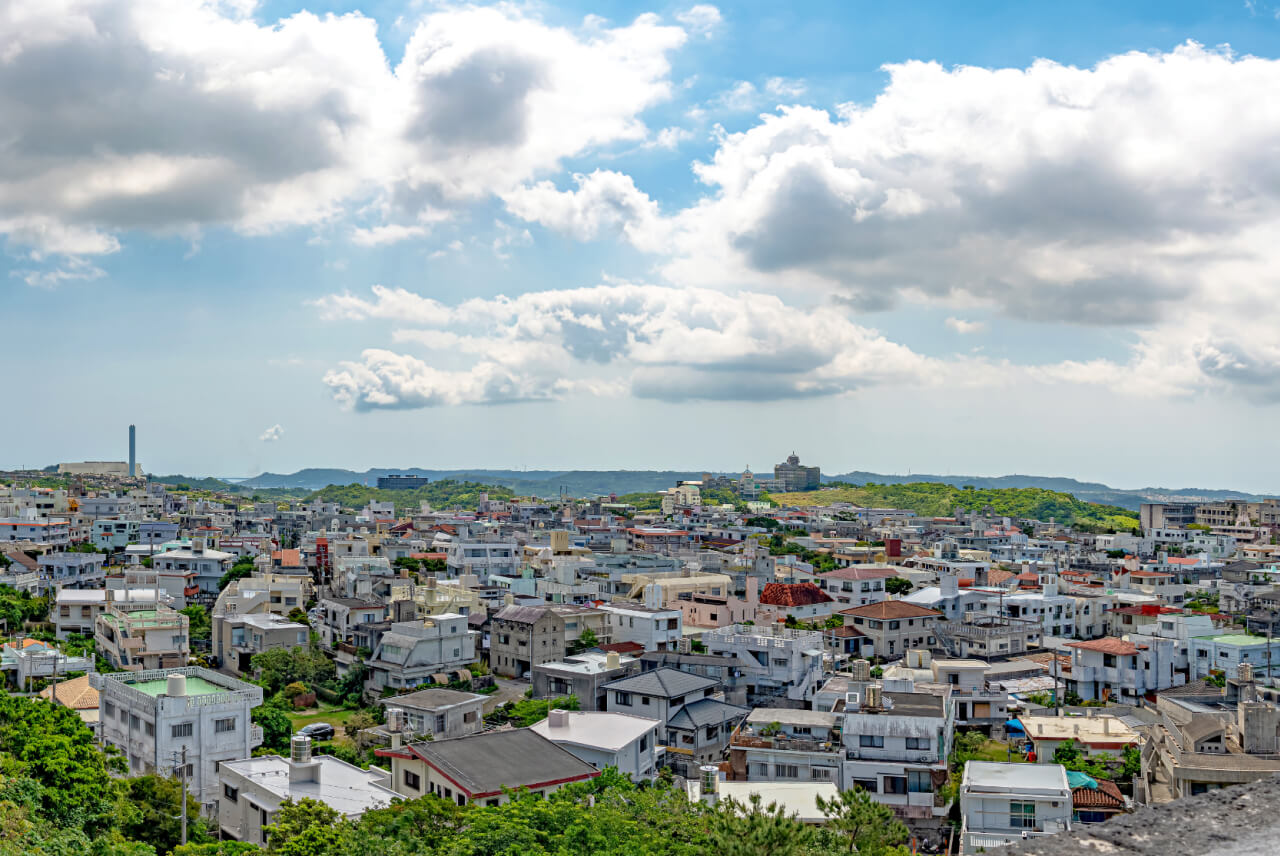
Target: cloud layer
654, 342
173, 115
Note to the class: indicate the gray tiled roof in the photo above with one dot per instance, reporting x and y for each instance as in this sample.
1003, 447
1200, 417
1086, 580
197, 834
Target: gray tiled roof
704, 712
486, 763
667, 683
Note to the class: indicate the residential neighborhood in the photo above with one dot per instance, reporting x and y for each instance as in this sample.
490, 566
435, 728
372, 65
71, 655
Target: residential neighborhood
979, 696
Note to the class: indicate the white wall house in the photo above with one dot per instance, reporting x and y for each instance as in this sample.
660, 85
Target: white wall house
1006, 803
629, 743
654, 629
152, 716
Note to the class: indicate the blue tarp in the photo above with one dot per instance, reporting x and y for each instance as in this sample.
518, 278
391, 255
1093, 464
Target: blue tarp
1080, 780
1014, 725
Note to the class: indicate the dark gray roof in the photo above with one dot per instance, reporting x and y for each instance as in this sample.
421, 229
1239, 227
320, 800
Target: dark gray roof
486, 763
675, 659
668, 683
916, 704
704, 712
429, 699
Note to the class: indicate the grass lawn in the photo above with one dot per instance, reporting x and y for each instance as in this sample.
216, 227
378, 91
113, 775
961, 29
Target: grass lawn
994, 750
333, 714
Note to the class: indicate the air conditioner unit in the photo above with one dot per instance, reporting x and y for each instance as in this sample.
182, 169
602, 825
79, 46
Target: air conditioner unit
852, 755
923, 759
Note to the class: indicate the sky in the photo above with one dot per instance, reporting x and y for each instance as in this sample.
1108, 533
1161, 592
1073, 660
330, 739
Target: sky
980, 238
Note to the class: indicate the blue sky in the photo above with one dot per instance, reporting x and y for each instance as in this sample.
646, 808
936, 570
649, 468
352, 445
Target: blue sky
979, 238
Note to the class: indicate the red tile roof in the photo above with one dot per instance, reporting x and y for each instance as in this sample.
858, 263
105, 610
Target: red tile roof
1106, 645
1107, 795
890, 609
623, 647
793, 594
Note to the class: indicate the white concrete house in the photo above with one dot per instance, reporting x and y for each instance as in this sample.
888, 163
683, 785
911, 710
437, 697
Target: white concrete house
151, 717
629, 743
251, 790
653, 628
1006, 803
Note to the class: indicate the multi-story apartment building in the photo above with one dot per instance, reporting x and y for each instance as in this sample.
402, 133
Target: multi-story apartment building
652, 628
411, 653
1124, 671
521, 637
342, 615
583, 676
71, 570
45, 532
856, 585
781, 745
153, 716
778, 662
485, 559
190, 574
791, 476
894, 626
896, 748
694, 723
77, 610
142, 636
114, 534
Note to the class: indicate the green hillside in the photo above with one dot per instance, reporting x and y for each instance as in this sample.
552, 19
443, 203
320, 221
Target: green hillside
441, 494
931, 499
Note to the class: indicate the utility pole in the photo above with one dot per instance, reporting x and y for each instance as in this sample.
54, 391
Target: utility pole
182, 777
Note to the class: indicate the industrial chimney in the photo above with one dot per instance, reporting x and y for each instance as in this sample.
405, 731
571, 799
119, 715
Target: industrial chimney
133, 451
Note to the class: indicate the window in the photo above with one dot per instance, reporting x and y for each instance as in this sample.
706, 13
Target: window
786, 771
919, 782
231, 794
149, 728
894, 625
622, 699
108, 708
644, 743
439, 722
871, 741
182, 729
868, 785
133, 721
895, 784
820, 774
1022, 815
224, 726
644, 699
919, 743
412, 780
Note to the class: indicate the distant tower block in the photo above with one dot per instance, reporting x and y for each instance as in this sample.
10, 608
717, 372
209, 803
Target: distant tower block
133, 450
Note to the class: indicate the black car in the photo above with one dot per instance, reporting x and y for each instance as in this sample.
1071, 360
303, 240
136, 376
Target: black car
317, 731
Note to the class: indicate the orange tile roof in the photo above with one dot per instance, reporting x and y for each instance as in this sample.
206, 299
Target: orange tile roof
890, 609
1106, 645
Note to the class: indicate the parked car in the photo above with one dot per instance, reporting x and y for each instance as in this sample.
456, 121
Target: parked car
317, 731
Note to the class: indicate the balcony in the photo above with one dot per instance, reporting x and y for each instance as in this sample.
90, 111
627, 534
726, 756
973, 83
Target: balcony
782, 743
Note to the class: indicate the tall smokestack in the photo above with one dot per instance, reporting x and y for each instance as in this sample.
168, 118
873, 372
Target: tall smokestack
133, 451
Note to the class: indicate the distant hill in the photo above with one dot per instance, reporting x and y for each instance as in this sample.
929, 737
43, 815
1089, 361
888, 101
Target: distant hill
544, 483
935, 499
548, 483
1089, 491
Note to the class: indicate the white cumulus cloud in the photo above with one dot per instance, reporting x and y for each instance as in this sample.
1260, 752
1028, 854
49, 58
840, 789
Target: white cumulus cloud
272, 434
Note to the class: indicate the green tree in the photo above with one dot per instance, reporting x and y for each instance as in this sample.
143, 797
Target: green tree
200, 624
755, 829
216, 848
1132, 758
151, 809
869, 827
275, 725
55, 758
306, 828
897, 585
587, 639
241, 568
278, 667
